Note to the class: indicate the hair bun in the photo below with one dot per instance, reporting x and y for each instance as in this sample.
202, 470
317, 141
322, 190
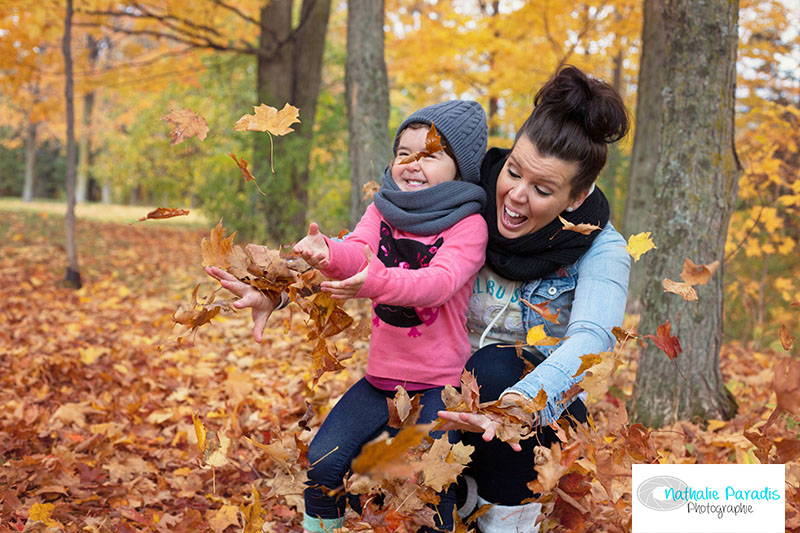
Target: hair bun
589, 102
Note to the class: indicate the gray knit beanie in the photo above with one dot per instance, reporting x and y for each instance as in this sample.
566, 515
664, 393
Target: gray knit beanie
462, 125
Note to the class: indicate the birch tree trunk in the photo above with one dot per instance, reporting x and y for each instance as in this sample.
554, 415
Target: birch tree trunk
30, 161
367, 97
695, 188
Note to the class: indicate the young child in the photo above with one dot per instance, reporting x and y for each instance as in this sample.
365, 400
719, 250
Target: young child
415, 253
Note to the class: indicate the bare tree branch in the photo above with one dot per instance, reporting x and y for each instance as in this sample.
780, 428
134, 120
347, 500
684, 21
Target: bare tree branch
237, 11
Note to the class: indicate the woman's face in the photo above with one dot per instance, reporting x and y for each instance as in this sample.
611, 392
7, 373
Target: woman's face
533, 190
424, 173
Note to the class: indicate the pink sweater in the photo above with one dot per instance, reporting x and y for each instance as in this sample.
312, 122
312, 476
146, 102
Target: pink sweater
420, 288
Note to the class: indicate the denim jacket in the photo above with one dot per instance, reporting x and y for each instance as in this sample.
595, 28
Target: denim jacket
590, 295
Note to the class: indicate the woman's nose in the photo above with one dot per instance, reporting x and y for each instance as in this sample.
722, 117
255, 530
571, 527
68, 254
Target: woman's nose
518, 193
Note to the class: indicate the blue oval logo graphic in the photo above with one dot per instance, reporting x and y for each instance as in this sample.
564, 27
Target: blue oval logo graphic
651, 493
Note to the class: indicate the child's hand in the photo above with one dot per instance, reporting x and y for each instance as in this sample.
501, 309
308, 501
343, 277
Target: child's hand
313, 247
348, 288
261, 306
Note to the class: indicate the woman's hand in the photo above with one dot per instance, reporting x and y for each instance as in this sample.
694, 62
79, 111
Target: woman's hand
478, 423
348, 288
261, 306
313, 248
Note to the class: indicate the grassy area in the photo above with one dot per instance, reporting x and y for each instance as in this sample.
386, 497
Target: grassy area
119, 214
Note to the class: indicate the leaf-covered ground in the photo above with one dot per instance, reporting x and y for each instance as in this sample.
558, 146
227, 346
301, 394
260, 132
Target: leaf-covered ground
97, 400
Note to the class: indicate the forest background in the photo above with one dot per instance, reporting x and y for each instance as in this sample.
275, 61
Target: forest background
135, 62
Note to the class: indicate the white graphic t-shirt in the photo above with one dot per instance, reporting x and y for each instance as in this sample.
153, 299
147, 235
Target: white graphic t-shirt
492, 294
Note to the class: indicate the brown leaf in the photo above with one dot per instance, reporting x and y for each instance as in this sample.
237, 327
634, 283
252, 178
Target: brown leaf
665, 341
587, 361
583, 229
623, 336
403, 410
683, 289
440, 467
187, 124
544, 310
254, 514
384, 458
222, 518
164, 212
558, 463
786, 338
697, 274
788, 450
217, 248
369, 189
269, 119
787, 385
306, 418
246, 174
433, 143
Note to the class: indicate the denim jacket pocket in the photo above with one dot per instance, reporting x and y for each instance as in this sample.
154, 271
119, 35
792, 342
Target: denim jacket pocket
559, 289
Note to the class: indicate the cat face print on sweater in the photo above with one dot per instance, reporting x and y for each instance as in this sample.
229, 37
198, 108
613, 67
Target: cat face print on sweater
411, 254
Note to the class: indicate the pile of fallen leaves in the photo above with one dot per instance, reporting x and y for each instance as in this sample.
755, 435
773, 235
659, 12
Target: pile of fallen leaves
101, 430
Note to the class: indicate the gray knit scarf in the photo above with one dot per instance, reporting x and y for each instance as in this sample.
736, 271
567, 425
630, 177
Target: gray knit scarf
429, 211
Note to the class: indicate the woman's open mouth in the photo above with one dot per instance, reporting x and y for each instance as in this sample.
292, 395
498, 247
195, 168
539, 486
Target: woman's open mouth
512, 219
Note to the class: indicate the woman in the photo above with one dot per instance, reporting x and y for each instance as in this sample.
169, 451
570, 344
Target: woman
550, 172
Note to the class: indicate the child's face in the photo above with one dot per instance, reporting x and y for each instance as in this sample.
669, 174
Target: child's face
425, 173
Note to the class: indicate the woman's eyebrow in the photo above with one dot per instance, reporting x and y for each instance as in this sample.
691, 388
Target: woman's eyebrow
540, 177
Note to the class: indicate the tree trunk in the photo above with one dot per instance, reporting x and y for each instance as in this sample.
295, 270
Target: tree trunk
73, 275
696, 183
30, 161
290, 72
367, 97
106, 194
85, 144
609, 175
646, 142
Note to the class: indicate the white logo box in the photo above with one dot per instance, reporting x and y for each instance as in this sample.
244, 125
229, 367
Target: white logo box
726, 498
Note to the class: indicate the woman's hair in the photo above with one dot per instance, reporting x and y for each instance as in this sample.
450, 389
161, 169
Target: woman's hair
574, 118
447, 149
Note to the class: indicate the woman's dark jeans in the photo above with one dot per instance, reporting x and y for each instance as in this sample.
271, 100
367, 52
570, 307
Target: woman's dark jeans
501, 473
357, 418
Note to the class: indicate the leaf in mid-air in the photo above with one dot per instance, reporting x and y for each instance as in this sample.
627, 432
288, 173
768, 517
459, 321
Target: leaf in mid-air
187, 123
538, 337
369, 189
217, 248
164, 212
697, 274
665, 341
433, 143
543, 309
786, 338
639, 244
583, 229
682, 289
269, 119
246, 174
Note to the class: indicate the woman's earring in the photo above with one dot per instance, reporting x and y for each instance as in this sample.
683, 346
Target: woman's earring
570, 209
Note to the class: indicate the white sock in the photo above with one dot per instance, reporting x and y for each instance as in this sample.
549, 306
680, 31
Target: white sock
509, 518
472, 498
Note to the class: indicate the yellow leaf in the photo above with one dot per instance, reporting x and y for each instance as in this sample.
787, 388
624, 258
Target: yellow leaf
200, 431
537, 337
639, 244
588, 361
269, 119
40, 512
217, 248
90, 354
254, 515
187, 124
220, 519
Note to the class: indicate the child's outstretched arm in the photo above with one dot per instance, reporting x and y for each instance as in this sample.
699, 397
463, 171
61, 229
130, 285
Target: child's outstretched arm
261, 307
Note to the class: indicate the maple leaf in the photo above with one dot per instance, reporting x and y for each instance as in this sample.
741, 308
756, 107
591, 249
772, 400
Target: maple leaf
403, 410
164, 212
433, 143
558, 462
583, 229
598, 377
441, 465
697, 274
40, 512
587, 361
269, 119
217, 248
624, 336
214, 449
369, 189
537, 337
246, 174
187, 124
682, 289
385, 458
665, 341
196, 314
544, 310
787, 385
786, 338
639, 244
